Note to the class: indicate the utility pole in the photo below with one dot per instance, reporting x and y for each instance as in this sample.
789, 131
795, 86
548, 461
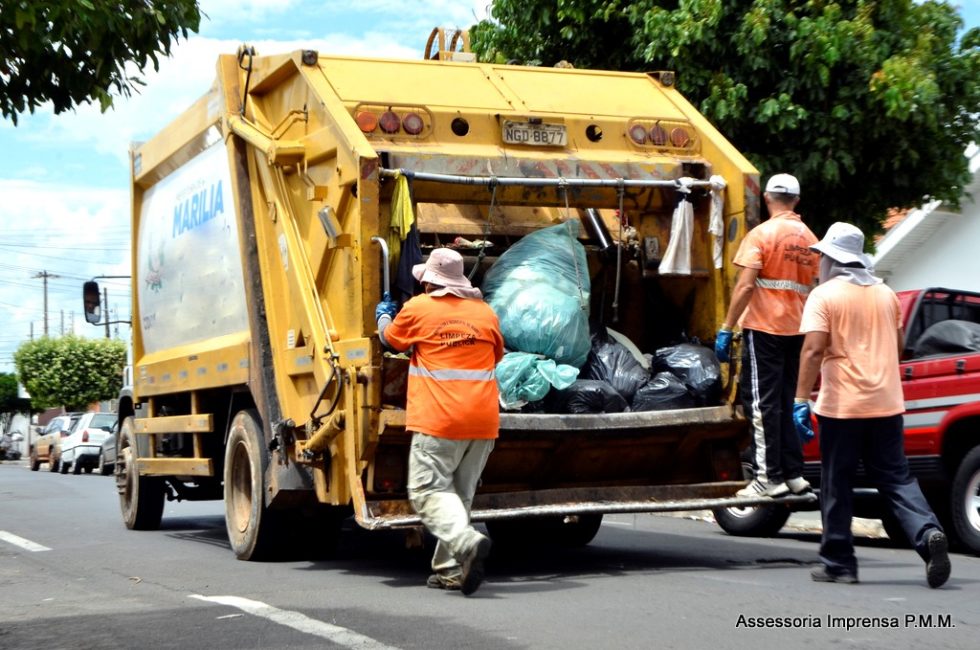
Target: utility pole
45, 275
105, 298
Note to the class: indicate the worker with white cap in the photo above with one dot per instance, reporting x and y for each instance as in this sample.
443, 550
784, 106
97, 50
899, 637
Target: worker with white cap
452, 408
853, 327
777, 271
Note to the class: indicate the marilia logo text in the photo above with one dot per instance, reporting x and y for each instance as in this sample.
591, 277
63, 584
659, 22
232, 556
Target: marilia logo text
196, 207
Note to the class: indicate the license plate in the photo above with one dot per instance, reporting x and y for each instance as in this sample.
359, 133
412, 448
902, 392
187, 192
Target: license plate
544, 135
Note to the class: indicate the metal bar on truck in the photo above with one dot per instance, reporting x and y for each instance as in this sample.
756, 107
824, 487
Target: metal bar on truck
489, 181
380, 515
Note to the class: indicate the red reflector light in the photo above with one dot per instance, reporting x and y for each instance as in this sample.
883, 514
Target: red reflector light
679, 137
85, 436
413, 124
638, 134
658, 136
390, 123
367, 122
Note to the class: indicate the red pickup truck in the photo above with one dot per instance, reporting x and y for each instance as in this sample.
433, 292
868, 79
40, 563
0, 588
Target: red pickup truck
941, 380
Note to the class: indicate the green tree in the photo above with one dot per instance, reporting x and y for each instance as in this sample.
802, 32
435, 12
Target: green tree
70, 371
73, 51
9, 401
870, 104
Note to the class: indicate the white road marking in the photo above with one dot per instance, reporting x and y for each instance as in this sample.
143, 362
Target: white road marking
25, 544
333, 633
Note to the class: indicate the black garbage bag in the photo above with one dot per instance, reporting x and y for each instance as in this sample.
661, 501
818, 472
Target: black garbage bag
611, 362
663, 392
696, 366
587, 396
947, 337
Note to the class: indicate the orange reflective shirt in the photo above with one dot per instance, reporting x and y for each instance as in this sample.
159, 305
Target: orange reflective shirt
452, 388
859, 375
780, 249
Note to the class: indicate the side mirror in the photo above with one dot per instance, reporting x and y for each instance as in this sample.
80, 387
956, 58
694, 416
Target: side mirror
92, 301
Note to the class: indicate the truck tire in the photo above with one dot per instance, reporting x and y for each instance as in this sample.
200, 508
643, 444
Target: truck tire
64, 467
141, 498
571, 532
252, 529
76, 467
965, 501
35, 463
758, 521
53, 464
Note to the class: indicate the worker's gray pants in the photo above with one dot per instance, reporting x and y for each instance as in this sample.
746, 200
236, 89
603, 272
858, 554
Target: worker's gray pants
442, 478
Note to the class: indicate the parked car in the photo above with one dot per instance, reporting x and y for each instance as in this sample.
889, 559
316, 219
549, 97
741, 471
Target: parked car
47, 448
83, 446
107, 455
8, 445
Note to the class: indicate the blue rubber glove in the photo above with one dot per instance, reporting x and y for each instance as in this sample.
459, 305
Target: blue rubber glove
386, 307
723, 345
801, 418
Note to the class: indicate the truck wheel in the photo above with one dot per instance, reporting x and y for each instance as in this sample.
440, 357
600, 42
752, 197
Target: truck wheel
571, 531
35, 463
53, 464
758, 521
140, 497
252, 530
965, 501
76, 467
64, 467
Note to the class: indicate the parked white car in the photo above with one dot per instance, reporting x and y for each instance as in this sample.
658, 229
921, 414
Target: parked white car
81, 449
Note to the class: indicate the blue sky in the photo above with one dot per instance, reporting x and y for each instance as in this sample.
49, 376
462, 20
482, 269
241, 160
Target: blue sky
64, 179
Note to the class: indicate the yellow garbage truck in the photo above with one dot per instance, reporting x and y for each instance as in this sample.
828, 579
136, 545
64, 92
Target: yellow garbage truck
265, 233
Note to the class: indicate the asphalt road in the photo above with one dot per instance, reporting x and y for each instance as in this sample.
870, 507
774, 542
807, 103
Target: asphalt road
71, 576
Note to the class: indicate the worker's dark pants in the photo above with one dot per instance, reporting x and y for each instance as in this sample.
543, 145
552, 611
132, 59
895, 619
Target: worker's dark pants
878, 443
770, 367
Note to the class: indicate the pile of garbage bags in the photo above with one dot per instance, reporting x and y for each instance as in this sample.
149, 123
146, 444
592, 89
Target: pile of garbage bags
539, 289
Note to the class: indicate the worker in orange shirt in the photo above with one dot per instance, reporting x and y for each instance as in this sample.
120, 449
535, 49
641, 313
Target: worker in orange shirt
777, 272
452, 409
853, 327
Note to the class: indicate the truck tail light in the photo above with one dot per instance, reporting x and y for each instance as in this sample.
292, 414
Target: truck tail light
413, 124
658, 136
85, 436
638, 133
390, 122
679, 137
367, 121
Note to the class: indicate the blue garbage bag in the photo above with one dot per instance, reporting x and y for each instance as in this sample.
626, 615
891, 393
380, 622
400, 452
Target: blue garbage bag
523, 377
539, 289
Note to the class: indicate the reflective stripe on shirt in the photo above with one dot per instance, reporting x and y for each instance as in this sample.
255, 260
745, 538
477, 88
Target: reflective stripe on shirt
449, 375
782, 285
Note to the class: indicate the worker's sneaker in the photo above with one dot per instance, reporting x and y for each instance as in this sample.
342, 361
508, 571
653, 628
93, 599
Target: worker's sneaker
759, 489
450, 582
798, 485
473, 565
937, 566
822, 574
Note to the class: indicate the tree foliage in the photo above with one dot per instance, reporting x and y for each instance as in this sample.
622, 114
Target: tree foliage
10, 402
73, 51
870, 104
70, 371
